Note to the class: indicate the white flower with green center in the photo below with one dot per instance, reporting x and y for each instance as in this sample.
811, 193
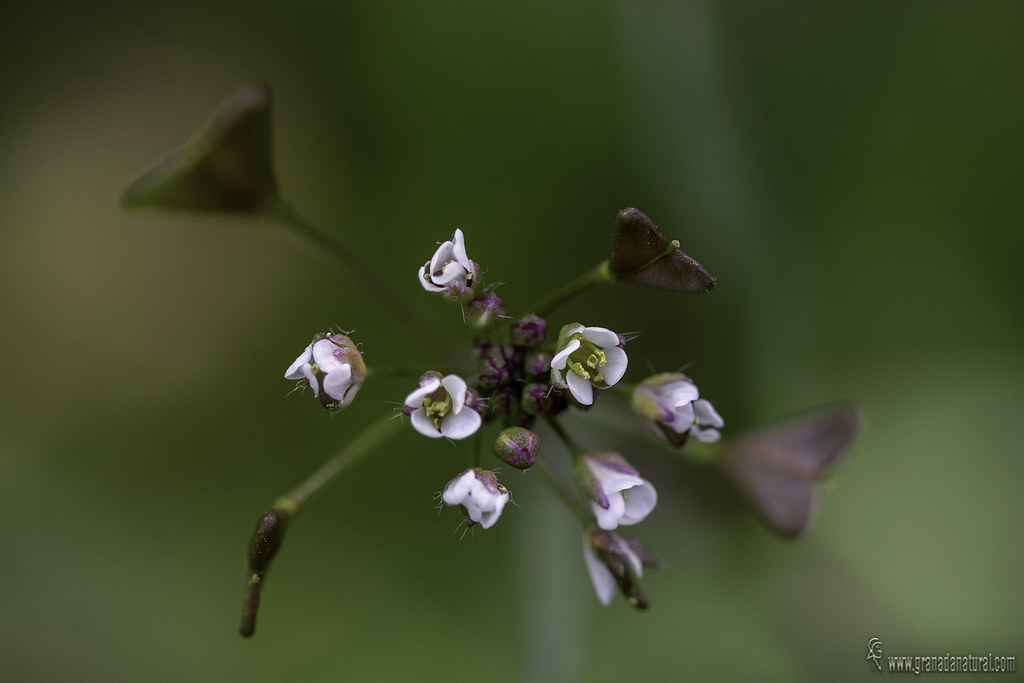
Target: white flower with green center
333, 367
588, 357
440, 407
671, 402
479, 494
450, 272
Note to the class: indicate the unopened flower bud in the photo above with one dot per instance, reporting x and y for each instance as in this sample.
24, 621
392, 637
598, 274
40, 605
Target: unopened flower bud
537, 363
504, 402
537, 398
333, 367
517, 447
528, 331
484, 312
492, 365
479, 494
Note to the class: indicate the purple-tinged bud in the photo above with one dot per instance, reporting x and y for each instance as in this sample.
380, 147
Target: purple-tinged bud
528, 331
538, 398
484, 312
537, 363
492, 367
517, 447
503, 403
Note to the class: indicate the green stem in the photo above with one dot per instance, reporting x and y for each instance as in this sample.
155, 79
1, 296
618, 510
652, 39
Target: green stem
361, 271
569, 442
475, 451
598, 275
564, 492
383, 429
269, 533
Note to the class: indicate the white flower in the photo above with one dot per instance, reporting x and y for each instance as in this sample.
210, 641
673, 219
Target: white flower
617, 492
450, 271
670, 400
333, 367
587, 357
615, 561
478, 492
440, 407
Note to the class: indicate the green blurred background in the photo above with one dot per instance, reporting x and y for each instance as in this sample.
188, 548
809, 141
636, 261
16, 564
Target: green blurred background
851, 173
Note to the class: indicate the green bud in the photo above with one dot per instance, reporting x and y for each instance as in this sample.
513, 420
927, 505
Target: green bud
517, 446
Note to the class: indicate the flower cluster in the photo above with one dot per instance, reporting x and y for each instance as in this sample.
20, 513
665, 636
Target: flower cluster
517, 380
513, 379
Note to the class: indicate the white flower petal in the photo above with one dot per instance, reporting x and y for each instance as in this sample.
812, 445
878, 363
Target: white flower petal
323, 356
706, 414
600, 576
678, 393
423, 424
615, 368
337, 382
459, 250
639, 501
489, 517
580, 388
442, 256
458, 489
425, 279
609, 519
451, 272
293, 371
415, 398
706, 435
314, 383
613, 478
601, 336
459, 425
558, 362
682, 419
456, 388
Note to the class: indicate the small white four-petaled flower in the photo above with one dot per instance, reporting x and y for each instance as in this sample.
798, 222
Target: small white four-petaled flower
671, 402
450, 272
617, 492
333, 367
441, 407
588, 357
478, 492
